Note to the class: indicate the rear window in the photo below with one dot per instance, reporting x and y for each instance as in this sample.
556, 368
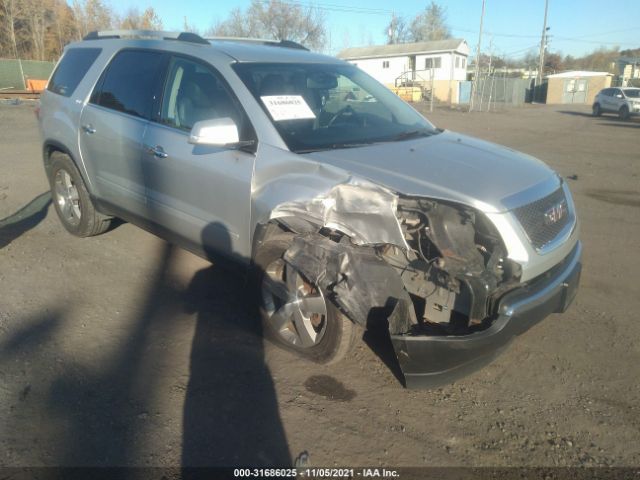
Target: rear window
71, 70
131, 82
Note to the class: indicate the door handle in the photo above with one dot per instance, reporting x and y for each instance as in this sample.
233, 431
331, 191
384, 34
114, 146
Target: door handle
156, 151
88, 129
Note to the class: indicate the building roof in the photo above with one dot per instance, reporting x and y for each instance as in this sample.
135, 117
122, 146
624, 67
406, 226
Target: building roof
401, 49
579, 73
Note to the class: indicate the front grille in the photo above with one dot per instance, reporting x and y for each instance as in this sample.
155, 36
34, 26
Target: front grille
537, 218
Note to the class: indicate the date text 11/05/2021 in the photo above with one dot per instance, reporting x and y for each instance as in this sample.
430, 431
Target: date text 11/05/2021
315, 472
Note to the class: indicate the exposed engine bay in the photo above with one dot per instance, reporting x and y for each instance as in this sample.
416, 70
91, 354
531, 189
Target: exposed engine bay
457, 267
448, 282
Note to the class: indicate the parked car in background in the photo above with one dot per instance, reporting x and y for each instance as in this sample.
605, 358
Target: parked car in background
349, 207
625, 102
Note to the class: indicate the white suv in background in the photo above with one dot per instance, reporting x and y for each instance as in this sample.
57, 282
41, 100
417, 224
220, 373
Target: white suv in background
623, 101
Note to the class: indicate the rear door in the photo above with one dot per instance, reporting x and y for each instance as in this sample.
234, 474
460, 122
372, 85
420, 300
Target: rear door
200, 193
112, 126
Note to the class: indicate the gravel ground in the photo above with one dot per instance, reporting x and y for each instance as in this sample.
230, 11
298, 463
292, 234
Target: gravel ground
123, 350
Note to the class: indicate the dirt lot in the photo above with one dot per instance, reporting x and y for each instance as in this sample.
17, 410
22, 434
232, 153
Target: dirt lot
123, 350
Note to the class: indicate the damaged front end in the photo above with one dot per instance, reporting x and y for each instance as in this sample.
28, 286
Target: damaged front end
436, 271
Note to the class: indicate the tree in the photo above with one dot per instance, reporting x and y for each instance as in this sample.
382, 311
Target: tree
277, 20
9, 14
553, 62
430, 24
134, 20
91, 15
397, 30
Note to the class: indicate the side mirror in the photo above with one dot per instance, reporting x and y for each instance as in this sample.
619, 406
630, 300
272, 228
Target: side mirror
216, 131
619, 95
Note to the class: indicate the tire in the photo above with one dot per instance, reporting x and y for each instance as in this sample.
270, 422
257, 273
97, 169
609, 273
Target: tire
71, 199
597, 111
334, 332
623, 113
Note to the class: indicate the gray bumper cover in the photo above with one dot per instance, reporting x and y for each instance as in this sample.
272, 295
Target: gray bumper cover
430, 361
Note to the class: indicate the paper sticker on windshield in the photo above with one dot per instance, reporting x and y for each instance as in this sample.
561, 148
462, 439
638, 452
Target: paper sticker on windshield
287, 107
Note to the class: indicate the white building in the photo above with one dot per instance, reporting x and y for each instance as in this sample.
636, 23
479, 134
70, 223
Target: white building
403, 63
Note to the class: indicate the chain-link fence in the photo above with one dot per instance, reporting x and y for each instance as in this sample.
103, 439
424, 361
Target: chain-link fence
12, 72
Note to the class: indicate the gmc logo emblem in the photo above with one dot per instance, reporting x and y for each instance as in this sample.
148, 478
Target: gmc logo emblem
555, 213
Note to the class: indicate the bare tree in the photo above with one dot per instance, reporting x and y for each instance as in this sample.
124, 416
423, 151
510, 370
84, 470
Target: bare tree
147, 20
430, 24
37, 19
92, 15
275, 19
397, 30
10, 12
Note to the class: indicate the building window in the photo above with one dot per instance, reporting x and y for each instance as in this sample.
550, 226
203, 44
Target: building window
464, 63
457, 62
434, 62
385, 64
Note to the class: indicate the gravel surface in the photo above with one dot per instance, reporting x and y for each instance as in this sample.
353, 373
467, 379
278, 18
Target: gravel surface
123, 350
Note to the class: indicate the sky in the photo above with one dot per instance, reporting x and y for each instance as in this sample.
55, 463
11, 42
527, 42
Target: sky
511, 27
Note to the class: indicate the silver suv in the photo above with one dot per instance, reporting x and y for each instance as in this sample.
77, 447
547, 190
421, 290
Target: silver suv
625, 102
350, 209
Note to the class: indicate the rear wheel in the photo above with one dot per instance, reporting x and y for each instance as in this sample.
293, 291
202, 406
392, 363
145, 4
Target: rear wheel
623, 113
295, 312
71, 199
597, 111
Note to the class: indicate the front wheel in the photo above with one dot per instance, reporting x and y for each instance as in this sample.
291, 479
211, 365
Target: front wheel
296, 314
597, 111
624, 113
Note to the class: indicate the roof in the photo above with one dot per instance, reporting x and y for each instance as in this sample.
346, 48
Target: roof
579, 73
240, 49
629, 60
400, 49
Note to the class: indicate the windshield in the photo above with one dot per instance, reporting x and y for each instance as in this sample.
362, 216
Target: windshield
326, 106
632, 92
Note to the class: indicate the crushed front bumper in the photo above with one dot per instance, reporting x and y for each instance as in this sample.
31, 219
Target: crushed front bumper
430, 361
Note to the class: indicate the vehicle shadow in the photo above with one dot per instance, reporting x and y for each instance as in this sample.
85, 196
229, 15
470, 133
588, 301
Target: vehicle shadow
230, 412
24, 219
609, 120
577, 114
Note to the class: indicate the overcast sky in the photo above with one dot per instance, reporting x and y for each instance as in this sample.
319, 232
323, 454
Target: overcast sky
512, 27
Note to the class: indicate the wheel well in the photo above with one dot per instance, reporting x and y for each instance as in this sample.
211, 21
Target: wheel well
49, 149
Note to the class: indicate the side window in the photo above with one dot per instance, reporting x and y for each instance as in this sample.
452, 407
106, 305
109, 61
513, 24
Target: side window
131, 82
71, 70
192, 93
433, 62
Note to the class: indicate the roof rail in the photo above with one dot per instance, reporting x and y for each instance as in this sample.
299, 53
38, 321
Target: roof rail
260, 41
147, 34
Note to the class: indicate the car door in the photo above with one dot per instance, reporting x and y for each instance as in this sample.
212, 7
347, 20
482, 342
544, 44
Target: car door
604, 98
617, 100
199, 193
112, 126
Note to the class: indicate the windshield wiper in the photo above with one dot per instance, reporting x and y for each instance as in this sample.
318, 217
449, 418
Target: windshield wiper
410, 134
333, 146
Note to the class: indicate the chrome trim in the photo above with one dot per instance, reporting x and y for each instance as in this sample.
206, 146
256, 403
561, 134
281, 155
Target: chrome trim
536, 192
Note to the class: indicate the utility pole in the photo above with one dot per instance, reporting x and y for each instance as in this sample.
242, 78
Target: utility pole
477, 72
543, 42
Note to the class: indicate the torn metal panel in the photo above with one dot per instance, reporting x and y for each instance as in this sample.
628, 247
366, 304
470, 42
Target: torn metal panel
287, 185
361, 283
363, 211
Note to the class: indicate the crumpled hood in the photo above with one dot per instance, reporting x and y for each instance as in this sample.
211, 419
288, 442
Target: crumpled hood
447, 166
